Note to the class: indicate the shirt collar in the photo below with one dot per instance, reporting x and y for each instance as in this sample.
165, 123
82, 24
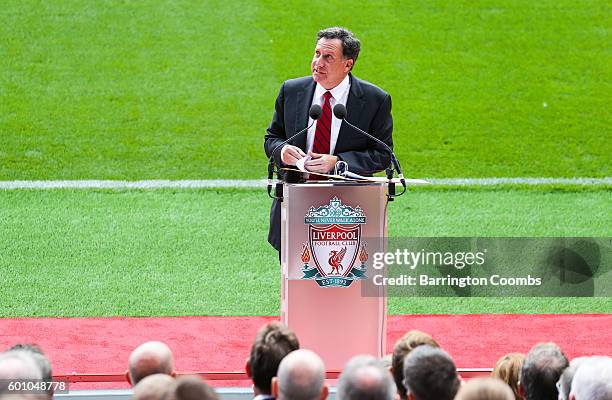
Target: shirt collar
336, 92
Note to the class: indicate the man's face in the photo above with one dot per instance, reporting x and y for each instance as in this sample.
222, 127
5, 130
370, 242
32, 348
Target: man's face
328, 66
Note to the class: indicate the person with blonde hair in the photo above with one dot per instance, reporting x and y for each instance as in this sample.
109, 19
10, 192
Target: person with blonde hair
508, 369
485, 389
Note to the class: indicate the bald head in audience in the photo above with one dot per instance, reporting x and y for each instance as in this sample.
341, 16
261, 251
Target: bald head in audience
365, 378
485, 389
152, 387
301, 376
150, 358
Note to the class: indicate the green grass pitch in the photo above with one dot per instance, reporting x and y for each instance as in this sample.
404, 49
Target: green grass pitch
184, 89
204, 252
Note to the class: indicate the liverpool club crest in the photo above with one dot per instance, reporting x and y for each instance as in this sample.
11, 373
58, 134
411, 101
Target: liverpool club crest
335, 254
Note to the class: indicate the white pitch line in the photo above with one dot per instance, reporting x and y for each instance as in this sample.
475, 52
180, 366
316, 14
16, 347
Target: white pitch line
258, 183
521, 181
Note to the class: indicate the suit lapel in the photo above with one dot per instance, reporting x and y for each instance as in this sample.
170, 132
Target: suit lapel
304, 100
355, 105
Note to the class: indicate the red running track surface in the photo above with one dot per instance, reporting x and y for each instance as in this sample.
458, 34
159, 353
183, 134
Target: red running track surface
221, 344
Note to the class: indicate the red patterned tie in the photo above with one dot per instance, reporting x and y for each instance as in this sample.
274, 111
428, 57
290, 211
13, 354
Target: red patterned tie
323, 131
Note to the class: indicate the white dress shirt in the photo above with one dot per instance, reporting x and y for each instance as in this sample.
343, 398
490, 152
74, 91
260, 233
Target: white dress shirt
339, 96
263, 397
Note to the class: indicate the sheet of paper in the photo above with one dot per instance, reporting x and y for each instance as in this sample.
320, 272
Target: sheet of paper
300, 163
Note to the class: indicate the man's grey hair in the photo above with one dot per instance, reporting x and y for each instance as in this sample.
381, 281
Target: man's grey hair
565, 382
39, 356
19, 364
430, 374
365, 378
593, 379
350, 44
301, 376
541, 370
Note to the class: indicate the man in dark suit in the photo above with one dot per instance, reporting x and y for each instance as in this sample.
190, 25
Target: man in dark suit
329, 141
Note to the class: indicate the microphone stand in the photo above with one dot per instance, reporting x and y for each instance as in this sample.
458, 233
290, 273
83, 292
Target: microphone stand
314, 112
278, 191
340, 113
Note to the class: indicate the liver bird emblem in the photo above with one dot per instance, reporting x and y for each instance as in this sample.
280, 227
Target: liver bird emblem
335, 260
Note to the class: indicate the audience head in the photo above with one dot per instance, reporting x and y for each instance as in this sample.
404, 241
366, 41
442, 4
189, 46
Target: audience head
508, 369
365, 378
39, 356
540, 372
485, 389
593, 380
273, 342
301, 376
564, 385
430, 374
401, 349
41, 360
152, 387
190, 388
19, 365
150, 358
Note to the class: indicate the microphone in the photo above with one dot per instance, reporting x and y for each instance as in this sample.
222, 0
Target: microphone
340, 113
314, 112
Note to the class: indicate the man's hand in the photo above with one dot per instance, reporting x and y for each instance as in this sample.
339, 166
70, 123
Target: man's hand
321, 163
291, 154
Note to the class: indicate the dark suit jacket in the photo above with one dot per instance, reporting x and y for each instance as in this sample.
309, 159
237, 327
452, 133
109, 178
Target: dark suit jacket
368, 107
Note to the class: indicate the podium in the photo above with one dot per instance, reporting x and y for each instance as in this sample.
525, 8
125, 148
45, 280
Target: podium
329, 232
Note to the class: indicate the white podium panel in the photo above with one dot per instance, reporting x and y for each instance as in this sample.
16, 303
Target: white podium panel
329, 231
